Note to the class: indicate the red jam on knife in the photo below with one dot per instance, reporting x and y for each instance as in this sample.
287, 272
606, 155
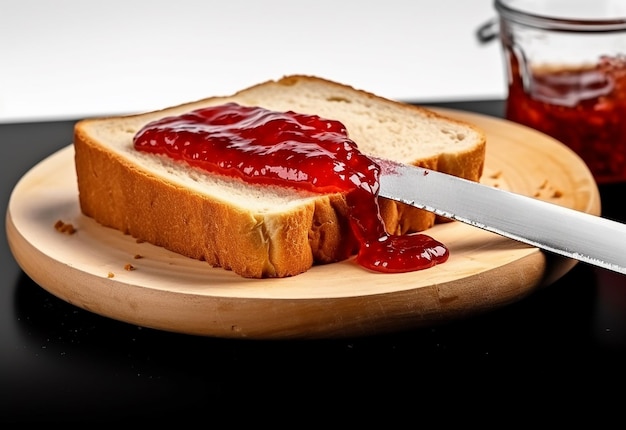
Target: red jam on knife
291, 149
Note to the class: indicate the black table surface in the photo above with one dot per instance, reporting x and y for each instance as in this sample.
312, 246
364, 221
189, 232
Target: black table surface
59, 362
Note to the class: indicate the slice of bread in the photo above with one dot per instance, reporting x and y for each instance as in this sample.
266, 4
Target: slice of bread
262, 231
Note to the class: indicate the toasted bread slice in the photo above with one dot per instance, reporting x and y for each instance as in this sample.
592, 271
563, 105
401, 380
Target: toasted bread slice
262, 231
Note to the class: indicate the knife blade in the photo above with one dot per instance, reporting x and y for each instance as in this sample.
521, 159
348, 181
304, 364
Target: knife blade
548, 226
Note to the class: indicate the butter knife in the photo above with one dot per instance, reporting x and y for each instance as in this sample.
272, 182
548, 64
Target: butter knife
557, 229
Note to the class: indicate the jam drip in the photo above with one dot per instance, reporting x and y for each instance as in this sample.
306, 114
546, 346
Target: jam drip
296, 150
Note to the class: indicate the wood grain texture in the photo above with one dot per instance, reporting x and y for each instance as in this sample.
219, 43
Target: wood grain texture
108, 273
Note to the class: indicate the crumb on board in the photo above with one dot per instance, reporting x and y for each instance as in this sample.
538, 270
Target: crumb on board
138, 256
110, 275
492, 178
63, 227
545, 188
129, 267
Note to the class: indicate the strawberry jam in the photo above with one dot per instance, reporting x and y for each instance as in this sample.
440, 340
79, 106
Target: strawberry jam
291, 149
582, 107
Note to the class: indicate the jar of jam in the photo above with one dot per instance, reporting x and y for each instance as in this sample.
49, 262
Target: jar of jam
566, 68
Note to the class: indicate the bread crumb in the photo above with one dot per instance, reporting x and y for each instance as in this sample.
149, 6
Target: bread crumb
138, 256
62, 227
110, 275
496, 174
129, 267
548, 191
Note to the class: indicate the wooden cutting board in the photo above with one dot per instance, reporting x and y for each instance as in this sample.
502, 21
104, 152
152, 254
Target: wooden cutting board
105, 272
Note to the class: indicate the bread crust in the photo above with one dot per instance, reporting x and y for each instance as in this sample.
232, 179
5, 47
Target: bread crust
120, 193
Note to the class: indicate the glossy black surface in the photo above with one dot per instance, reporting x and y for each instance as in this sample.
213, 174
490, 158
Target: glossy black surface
565, 343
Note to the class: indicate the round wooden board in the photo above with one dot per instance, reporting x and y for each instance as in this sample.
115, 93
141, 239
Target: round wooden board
166, 291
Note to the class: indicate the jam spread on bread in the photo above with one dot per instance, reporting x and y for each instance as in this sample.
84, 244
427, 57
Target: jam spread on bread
307, 152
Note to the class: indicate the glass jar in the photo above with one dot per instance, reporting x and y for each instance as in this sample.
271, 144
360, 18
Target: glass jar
566, 70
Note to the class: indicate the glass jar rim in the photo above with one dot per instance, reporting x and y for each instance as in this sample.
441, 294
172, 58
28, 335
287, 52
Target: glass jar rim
548, 22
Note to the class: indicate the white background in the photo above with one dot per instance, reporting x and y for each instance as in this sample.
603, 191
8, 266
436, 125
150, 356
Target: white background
70, 58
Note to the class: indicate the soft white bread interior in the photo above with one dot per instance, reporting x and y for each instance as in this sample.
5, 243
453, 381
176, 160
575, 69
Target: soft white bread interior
261, 231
